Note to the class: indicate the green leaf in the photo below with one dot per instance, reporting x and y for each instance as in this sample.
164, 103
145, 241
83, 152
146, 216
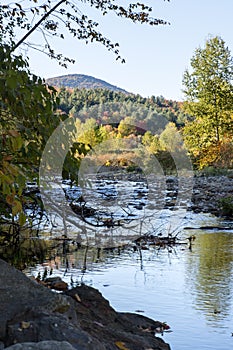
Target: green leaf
11, 82
22, 219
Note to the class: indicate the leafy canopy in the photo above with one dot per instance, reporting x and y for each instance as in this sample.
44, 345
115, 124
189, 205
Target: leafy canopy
209, 92
26, 121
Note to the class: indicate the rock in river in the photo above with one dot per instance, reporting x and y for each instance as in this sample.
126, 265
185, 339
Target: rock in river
34, 317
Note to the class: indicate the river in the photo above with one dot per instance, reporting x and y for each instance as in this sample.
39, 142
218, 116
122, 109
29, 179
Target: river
190, 289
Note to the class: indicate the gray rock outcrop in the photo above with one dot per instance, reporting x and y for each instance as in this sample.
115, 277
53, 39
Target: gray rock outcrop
78, 319
43, 345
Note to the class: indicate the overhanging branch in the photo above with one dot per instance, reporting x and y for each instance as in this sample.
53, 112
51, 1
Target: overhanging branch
37, 25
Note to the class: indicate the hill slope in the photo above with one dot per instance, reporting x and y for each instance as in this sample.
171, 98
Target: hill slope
81, 81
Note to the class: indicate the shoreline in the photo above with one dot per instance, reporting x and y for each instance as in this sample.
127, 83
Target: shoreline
34, 317
208, 191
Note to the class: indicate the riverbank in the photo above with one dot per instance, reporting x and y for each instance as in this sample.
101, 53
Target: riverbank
77, 319
208, 192
206, 195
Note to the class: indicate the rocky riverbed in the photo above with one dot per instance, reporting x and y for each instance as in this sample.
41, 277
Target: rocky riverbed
34, 317
196, 193
205, 196
208, 191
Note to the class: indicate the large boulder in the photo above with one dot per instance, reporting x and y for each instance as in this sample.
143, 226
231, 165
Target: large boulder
80, 318
43, 345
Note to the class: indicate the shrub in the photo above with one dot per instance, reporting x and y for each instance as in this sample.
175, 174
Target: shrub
226, 205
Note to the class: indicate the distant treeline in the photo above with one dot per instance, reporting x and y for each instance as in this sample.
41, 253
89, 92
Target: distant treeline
111, 107
101, 115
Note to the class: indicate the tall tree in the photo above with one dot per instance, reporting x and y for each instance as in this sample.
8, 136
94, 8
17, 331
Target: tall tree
170, 139
209, 94
26, 103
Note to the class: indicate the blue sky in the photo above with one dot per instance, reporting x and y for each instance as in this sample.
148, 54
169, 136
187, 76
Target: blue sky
156, 57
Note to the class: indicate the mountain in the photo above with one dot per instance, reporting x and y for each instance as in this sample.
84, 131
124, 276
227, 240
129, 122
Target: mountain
82, 81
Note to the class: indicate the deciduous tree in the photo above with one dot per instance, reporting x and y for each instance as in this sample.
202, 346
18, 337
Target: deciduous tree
209, 93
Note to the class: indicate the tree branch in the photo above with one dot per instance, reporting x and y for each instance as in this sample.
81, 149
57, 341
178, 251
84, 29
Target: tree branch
37, 25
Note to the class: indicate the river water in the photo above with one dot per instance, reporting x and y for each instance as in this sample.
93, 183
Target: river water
190, 289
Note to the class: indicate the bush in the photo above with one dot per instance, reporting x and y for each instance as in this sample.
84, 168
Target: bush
133, 168
226, 205
213, 171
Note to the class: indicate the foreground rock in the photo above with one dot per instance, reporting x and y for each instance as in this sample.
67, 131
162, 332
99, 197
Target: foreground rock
33, 317
43, 345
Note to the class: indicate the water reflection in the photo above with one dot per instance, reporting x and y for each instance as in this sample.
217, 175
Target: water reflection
206, 269
191, 290
208, 275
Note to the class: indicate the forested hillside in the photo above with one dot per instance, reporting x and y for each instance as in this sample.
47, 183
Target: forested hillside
102, 114
82, 81
107, 106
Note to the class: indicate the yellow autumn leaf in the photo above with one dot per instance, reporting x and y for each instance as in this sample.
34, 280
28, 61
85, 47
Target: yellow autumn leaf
77, 297
6, 179
10, 199
16, 208
25, 325
121, 345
